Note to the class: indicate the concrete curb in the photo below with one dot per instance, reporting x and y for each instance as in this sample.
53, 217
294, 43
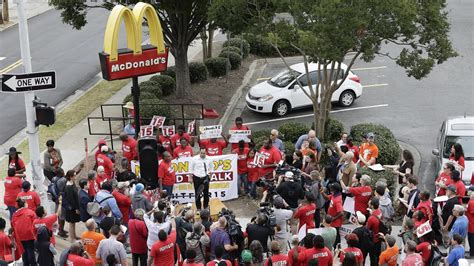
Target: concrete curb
10, 23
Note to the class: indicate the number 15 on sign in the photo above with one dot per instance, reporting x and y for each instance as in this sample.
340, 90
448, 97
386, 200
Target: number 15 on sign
146, 131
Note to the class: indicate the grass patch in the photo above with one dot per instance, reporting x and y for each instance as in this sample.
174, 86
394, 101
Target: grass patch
69, 117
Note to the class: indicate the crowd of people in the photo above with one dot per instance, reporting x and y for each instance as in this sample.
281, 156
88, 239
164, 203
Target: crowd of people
298, 220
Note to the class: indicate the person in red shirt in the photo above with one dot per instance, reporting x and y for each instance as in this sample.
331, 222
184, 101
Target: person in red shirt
15, 162
46, 221
93, 184
219, 252
213, 146
470, 228
352, 241
335, 210
272, 158
100, 143
305, 214
129, 147
184, 150
242, 153
138, 234
373, 224
296, 254
353, 148
123, 201
444, 179
276, 258
361, 194
460, 187
164, 141
252, 174
457, 157
12, 189
180, 134
166, 174
425, 206
239, 125
31, 198
106, 162
163, 251
319, 251
424, 248
22, 224
78, 257
190, 258
5, 241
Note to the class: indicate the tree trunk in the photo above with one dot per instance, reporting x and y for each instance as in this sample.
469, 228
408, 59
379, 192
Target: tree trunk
210, 40
1, 17
6, 17
205, 51
182, 70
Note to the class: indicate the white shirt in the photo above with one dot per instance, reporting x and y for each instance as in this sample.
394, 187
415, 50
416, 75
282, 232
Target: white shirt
197, 166
154, 229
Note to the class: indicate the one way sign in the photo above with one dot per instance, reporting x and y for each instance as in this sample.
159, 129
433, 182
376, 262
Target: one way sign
28, 82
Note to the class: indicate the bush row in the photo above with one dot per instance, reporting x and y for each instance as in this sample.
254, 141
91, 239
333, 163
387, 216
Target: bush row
261, 46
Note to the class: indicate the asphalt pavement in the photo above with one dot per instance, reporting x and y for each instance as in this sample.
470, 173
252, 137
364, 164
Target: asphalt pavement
413, 109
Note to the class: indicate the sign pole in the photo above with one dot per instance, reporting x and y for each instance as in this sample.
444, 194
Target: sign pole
136, 104
31, 128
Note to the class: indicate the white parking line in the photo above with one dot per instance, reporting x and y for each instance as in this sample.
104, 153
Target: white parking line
308, 115
375, 85
1, 58
368, 68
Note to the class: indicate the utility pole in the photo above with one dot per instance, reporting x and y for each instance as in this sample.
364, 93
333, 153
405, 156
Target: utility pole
6, 16
31, 127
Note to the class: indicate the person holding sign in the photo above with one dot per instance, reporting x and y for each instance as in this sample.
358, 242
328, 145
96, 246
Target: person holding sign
163, 141
184, 150
181, 133
129, 147
239, 125
272, 158
201, 168
213, 146
166, 174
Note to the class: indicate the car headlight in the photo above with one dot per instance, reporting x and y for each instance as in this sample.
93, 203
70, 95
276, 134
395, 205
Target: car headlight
265, 98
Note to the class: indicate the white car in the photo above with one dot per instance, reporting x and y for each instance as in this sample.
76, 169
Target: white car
281, 94
457, 130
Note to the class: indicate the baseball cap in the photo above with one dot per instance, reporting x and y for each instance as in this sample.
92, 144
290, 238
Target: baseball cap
360, 217
139, 187
104, 148
370, 135
289, 174
246, 255
451, 188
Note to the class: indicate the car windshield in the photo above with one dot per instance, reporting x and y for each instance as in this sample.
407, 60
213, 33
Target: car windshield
284, 78
467, 144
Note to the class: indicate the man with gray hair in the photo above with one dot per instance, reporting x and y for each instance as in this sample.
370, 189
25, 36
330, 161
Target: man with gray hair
412, 258
310, 137
112, 246
361, 194
91, 239
220, 237
461, 223
276, 142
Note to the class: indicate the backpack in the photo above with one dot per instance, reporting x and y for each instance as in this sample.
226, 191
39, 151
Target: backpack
198, 239
384, 226
94, 209
435, 256
53, 189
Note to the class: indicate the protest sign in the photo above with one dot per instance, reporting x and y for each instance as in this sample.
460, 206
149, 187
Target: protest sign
237, 135
210, 132
191, 127
302, 232
344, 230
423, 229
349, 205
146, 131
157, 121
168, 130
259, 159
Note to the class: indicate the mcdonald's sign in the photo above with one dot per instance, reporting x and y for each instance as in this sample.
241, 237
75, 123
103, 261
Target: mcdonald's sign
135, 60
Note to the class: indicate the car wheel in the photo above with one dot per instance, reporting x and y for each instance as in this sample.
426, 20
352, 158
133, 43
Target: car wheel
347, 98
281, 108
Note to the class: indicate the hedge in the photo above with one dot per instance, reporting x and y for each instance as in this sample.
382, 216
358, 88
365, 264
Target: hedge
259, 45
197, 72
217, 66
170, 71
237, 43
260, 136
167, 84
291, 131
155, 90
389, 150
289, 147
333, 130
376, 176
148, 111
234, 58
231, 49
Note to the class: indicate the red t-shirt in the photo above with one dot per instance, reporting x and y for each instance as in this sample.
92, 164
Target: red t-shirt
175, 139
460, 161
185, 263
12, 188
214, 263
362, 196
94, 186
129, 149
446, 179
5, 243
425, 251
279, 259
306, 215
335, 207
165, 142
460, 190
183, 152
73, 259
300, 259
12, 164
373, 224
163, 252
31, 198
470, 215
48, 222
357, 253
108, 165
243, 127
272, 156
166, 172
252, 170
323, 255
138, 235
213, 148
241, 160
124, 203
427, 209
22, 223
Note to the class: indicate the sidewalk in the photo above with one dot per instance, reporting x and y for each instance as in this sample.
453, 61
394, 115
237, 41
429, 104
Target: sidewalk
33, 8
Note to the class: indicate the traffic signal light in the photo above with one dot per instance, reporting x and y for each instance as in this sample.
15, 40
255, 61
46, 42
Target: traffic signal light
148, 156
45, 115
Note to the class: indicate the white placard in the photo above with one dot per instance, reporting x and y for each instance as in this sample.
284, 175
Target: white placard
146, 131
157, 121
302, 232
316, 231
344, 230
349, 205
210, 132
259, 159
423, 229
168, 130
191, 127
238, 135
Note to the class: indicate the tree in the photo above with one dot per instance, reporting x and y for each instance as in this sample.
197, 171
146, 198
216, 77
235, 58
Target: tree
181, 20
328, 31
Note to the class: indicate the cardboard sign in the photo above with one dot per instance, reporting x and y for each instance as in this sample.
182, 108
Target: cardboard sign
157, 121
191, 127
146, 131
210, 132
259, 159
423, 229
349, 205
302, 232
238, 135
344, 230
168, 130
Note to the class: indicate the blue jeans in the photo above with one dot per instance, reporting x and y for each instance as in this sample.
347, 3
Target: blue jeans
253, 189
243, 182
12, 210
169, 190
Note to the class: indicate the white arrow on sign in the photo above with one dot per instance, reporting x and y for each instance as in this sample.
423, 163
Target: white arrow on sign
11, 83
15, 83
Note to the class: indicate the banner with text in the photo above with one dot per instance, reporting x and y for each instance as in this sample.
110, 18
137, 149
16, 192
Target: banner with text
237, 135
210, 132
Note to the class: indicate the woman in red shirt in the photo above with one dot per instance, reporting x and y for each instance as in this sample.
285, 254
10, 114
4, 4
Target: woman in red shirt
457, 157
12, 187
14, 161
252, 173
242, 153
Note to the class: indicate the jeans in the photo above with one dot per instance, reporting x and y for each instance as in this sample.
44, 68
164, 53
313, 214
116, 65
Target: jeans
28, 256
470, 239
375, 254
253, 189
243, 182
12, 210
139, 258
198, 181
169, 190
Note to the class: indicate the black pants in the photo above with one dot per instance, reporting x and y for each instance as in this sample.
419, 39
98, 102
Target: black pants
317, 218
28, 256
139, 258
470, 239
338, 237
198, 181
375, 254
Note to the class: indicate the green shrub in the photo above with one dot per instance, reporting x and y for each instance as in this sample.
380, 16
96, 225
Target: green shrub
231, 49
389, 150
376, 176
170, 71
260, 136
217, 66
234, 59
237, 42
259, 45
197, 72
333, 130
148, 111
289, 147
148, 83
291, 131
143, 95
155, 90
167, 84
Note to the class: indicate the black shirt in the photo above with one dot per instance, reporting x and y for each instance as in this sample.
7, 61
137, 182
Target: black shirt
291, 192
126, 175
448, 210
260, 233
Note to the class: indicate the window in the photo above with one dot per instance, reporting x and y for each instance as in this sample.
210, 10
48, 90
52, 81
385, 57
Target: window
283, 79
467, 144
314, 79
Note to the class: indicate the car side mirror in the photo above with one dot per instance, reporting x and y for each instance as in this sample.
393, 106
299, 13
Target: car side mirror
435, 152
296, 87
